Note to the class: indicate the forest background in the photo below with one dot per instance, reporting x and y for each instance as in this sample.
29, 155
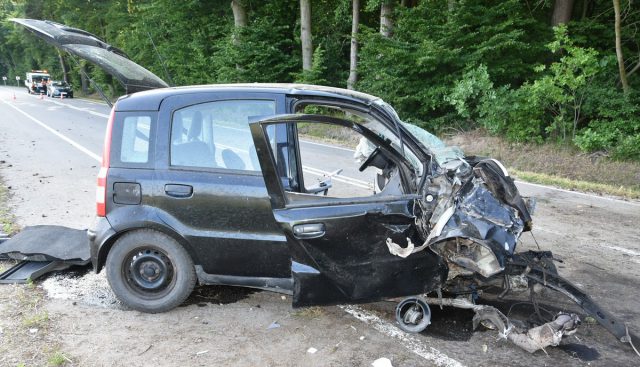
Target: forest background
558, 71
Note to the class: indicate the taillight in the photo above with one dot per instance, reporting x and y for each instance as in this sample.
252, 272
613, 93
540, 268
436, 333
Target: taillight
101, 190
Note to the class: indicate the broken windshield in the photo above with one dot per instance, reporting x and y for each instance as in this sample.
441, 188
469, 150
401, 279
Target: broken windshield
372, 123
442, 153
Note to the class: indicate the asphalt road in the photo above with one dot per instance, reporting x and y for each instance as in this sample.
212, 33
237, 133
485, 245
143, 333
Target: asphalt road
49, 157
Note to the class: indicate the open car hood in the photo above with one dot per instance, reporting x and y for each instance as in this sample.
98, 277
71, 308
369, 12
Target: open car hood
85, 45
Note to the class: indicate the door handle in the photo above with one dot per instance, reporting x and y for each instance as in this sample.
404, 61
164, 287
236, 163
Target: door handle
178, 191
310, 230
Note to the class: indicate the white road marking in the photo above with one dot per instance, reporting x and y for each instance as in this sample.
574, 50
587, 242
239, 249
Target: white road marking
587, 239
407, 340
83, 109
326, 145
54, 132
339, 178
234, 128
91, 101
232, 148
622, 249
619, 201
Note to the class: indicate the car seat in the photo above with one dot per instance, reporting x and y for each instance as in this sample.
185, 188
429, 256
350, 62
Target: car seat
194, 152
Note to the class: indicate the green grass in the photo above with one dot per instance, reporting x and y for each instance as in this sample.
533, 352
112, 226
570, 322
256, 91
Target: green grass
335, 135
7, 220
39, 319
58, 359
574, 185
309, 312
556, 165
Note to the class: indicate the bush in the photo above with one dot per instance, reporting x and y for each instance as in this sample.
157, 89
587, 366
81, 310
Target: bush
616, 124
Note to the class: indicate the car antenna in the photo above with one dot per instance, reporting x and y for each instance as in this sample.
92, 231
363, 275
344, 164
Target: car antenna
95, 85
164, 66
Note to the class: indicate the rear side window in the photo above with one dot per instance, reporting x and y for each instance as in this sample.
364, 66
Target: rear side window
216, 134
135, 139
132, 139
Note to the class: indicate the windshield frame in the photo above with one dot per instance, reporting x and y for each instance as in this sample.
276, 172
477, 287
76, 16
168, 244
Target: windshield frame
377, 118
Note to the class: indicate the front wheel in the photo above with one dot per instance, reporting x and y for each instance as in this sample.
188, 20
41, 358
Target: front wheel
149, 271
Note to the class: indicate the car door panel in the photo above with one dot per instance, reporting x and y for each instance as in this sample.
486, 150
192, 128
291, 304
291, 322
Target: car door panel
224, 214
338, 246
350, 260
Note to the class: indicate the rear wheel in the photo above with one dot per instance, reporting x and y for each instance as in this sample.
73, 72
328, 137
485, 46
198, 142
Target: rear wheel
149, 271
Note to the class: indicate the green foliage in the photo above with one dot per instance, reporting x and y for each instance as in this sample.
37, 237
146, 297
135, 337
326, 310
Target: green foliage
481, 63
317, 72
550, 106
616, 126
257, 53
417, 68
468, 93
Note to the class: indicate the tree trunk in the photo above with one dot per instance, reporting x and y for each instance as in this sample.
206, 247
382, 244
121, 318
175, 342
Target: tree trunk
408, 3
585, 9
239, 13
562, 10
239, 21
305, 34
620, 56
83, 79
386, 20
353, 57
63, 66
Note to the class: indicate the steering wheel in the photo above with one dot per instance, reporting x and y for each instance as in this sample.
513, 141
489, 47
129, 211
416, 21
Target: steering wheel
369, 159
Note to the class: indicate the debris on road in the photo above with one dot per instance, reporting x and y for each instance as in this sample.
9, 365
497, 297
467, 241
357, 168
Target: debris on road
43, 249
382, 362
312, 350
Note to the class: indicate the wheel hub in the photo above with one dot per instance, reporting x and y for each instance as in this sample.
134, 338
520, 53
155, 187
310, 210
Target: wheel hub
150, 270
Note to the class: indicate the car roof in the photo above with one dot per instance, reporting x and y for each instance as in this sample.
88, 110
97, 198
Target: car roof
150, 100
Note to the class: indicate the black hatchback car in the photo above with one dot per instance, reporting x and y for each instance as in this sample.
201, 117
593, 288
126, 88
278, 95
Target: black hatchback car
314, 191
238, 185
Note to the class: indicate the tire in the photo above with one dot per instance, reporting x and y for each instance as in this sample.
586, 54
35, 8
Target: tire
149, 271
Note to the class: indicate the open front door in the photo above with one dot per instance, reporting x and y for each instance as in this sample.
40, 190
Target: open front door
337, 237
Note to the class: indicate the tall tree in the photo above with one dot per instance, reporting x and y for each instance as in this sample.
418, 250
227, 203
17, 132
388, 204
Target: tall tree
63, 66
305, 34
353, 56
620, 56
386, 20
239, 13
562, 10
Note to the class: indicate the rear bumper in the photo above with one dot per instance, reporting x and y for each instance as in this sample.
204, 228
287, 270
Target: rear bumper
100, 235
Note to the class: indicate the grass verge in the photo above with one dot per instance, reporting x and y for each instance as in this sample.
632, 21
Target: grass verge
27, 336
574, 185
555, 165
7, 220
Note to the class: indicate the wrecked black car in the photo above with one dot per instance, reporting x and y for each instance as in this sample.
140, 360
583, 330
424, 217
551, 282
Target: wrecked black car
317, 192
